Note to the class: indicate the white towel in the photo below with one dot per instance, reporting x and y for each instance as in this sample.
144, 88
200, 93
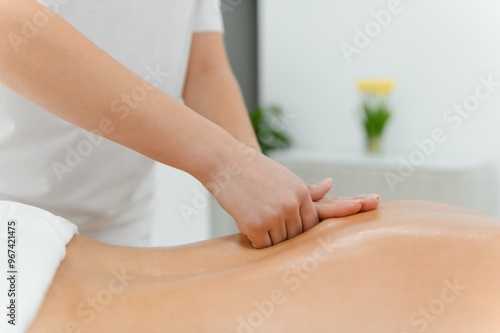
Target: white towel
34, 241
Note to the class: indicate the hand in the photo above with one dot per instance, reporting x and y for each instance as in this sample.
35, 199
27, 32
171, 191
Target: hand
268, 202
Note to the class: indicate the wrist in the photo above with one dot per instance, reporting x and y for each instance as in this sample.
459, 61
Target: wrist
213, 154
223, 161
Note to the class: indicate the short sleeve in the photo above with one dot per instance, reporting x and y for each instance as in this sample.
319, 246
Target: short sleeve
208, 16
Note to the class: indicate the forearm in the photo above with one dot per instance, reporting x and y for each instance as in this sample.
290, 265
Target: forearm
212, 90
215, 94
63, 72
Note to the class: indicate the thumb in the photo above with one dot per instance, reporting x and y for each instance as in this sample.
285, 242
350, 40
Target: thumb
319, 190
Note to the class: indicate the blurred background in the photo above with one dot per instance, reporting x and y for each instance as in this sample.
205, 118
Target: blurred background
441, 140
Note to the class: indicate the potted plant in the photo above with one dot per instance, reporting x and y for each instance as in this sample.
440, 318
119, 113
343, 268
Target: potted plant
268, 124
376, 112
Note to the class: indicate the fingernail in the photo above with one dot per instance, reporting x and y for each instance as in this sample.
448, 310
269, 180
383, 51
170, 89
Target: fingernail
373, 196
356, 202
327, 181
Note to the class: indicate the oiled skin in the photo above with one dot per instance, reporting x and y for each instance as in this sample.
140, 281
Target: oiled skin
370, 272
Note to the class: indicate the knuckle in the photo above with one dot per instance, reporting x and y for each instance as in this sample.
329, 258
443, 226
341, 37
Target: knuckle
272, 216
291, 206
303, 194
256, 227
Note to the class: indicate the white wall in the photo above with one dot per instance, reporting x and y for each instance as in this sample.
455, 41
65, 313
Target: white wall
435, 50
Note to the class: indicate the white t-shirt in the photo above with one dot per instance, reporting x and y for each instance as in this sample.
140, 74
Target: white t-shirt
105, 188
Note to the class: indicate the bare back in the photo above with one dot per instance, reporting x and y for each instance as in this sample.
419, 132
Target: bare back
405, 267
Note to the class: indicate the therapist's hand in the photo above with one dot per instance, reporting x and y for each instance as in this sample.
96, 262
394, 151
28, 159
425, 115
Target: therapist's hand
269, 203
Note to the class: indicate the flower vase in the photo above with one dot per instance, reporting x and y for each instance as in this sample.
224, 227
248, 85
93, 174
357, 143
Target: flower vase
375, 110
373, 145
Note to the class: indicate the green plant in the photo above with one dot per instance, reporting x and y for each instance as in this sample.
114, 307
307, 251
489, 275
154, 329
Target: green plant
268, 123
375, 119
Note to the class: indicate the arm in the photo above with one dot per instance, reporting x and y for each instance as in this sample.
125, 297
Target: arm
64, 73
212, 90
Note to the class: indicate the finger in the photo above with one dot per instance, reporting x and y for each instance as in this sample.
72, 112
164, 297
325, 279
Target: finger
279, 233
294, 227
339, 208
319, 190
260, 241
370, 202
309, 215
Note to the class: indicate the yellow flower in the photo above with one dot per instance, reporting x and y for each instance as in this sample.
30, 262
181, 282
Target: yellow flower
379, 87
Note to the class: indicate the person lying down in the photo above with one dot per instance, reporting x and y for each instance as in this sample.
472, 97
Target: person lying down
405, 267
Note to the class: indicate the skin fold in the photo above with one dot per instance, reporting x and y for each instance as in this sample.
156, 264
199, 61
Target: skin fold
405, 267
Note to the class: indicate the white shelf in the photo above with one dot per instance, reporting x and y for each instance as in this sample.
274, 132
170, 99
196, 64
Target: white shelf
448, 164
